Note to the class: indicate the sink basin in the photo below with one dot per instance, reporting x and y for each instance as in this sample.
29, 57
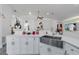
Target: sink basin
52, 40
52, 37
47, 36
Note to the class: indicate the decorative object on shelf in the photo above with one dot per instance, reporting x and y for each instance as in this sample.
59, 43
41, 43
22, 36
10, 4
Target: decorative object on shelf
17, 24
40, 18
41, 25
59, 29
12, 31
26, 26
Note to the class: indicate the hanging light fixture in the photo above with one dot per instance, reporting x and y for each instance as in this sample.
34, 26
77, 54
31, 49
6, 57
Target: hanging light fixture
39, 17
30, 13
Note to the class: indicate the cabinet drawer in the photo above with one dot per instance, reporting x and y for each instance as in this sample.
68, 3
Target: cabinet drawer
71, 49
57, 51
50, 50
45, 49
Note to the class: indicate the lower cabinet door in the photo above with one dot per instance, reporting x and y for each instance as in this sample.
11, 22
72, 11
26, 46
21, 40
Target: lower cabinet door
26, 45
36, 45
23, 45
13, 45
9, 47
30, 45
43, 49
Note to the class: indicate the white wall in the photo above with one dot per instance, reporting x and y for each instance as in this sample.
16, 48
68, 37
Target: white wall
33, 22
0, 33
32, 19
7, 20
4, 21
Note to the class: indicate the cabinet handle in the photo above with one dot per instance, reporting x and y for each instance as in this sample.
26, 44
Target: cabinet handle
72, 49
34, 38
26, 43
49, 49
13, 43
65, 53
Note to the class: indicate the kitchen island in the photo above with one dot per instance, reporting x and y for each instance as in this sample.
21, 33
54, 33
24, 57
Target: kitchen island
28, 44
71, 42
42, 44
22, 44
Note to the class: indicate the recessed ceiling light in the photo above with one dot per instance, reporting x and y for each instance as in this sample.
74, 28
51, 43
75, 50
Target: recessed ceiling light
47, 13
14, 10
30, 13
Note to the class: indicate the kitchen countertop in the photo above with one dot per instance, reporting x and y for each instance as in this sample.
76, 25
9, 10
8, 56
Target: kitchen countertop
72, 38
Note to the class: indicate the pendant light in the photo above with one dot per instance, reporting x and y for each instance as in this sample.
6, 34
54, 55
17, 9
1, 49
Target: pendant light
39, 17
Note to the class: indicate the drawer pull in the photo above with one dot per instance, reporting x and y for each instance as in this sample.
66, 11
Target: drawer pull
49, 49
13, 43
26, 43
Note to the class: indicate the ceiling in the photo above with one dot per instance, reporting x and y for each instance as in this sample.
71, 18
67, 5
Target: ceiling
55, 11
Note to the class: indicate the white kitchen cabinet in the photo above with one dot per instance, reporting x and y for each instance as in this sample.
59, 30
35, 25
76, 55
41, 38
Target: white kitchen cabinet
26, 45
22, 45
13, 45
29, 45
9, 47
36, 42
50, 50
70, 49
